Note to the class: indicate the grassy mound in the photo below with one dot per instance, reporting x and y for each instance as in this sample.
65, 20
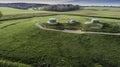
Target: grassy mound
26, 43
58, 26
62, 26
74, 26
102, 27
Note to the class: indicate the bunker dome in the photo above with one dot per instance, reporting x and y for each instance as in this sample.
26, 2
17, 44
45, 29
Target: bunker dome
95, 21
94, 24
52, 21
72, 21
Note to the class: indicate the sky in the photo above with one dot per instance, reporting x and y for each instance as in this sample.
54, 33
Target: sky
80, 2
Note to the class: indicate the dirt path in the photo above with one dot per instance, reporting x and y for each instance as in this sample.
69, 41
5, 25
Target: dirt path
76, 31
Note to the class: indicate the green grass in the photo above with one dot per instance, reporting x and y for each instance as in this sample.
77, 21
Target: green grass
106, 27
26, 43
12, 11
6, 23
62, 26
6, 63
88, 11
81, 19
21, 41
98, 11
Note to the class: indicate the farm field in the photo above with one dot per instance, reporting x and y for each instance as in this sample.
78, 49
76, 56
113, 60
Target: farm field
12, 11
100, 11
87, 11
21, 41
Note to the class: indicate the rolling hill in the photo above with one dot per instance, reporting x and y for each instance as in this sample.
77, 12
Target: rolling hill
22, 42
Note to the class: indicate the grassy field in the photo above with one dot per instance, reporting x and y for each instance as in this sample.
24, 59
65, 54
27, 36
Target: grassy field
12, 11
88, 11
99, 11
6, 63
22, 41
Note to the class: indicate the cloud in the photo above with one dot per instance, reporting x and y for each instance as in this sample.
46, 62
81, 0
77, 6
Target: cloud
37, 1
81, 2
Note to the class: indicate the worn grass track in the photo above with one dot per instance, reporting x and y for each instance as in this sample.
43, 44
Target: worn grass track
75, 31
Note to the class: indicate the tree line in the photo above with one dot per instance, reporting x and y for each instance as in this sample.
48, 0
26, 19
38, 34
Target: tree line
22, 5
61, 7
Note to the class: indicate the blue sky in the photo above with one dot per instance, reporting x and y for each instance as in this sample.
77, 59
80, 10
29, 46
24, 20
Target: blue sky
97, 2
80, 2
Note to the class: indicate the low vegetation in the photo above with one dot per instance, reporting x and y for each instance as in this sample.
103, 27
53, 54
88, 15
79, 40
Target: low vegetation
13, 11
6, 63
58, 26
24, 16
93, 27
106, 27
62, 26
74, 26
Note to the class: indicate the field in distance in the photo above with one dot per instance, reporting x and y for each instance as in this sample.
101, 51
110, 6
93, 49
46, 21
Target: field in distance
90, 11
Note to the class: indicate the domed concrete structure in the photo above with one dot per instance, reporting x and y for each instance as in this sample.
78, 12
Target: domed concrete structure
72, 21
52, 21
95, 21
94, 24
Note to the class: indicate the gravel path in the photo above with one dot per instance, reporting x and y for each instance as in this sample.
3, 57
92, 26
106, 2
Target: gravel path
76, 31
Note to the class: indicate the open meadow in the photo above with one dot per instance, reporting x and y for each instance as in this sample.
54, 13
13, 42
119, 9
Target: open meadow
22, 43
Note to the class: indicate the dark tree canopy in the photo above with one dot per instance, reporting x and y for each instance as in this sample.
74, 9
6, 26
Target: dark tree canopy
24, 6
62, 7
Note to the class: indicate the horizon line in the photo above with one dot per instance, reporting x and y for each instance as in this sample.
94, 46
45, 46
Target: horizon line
67, 3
